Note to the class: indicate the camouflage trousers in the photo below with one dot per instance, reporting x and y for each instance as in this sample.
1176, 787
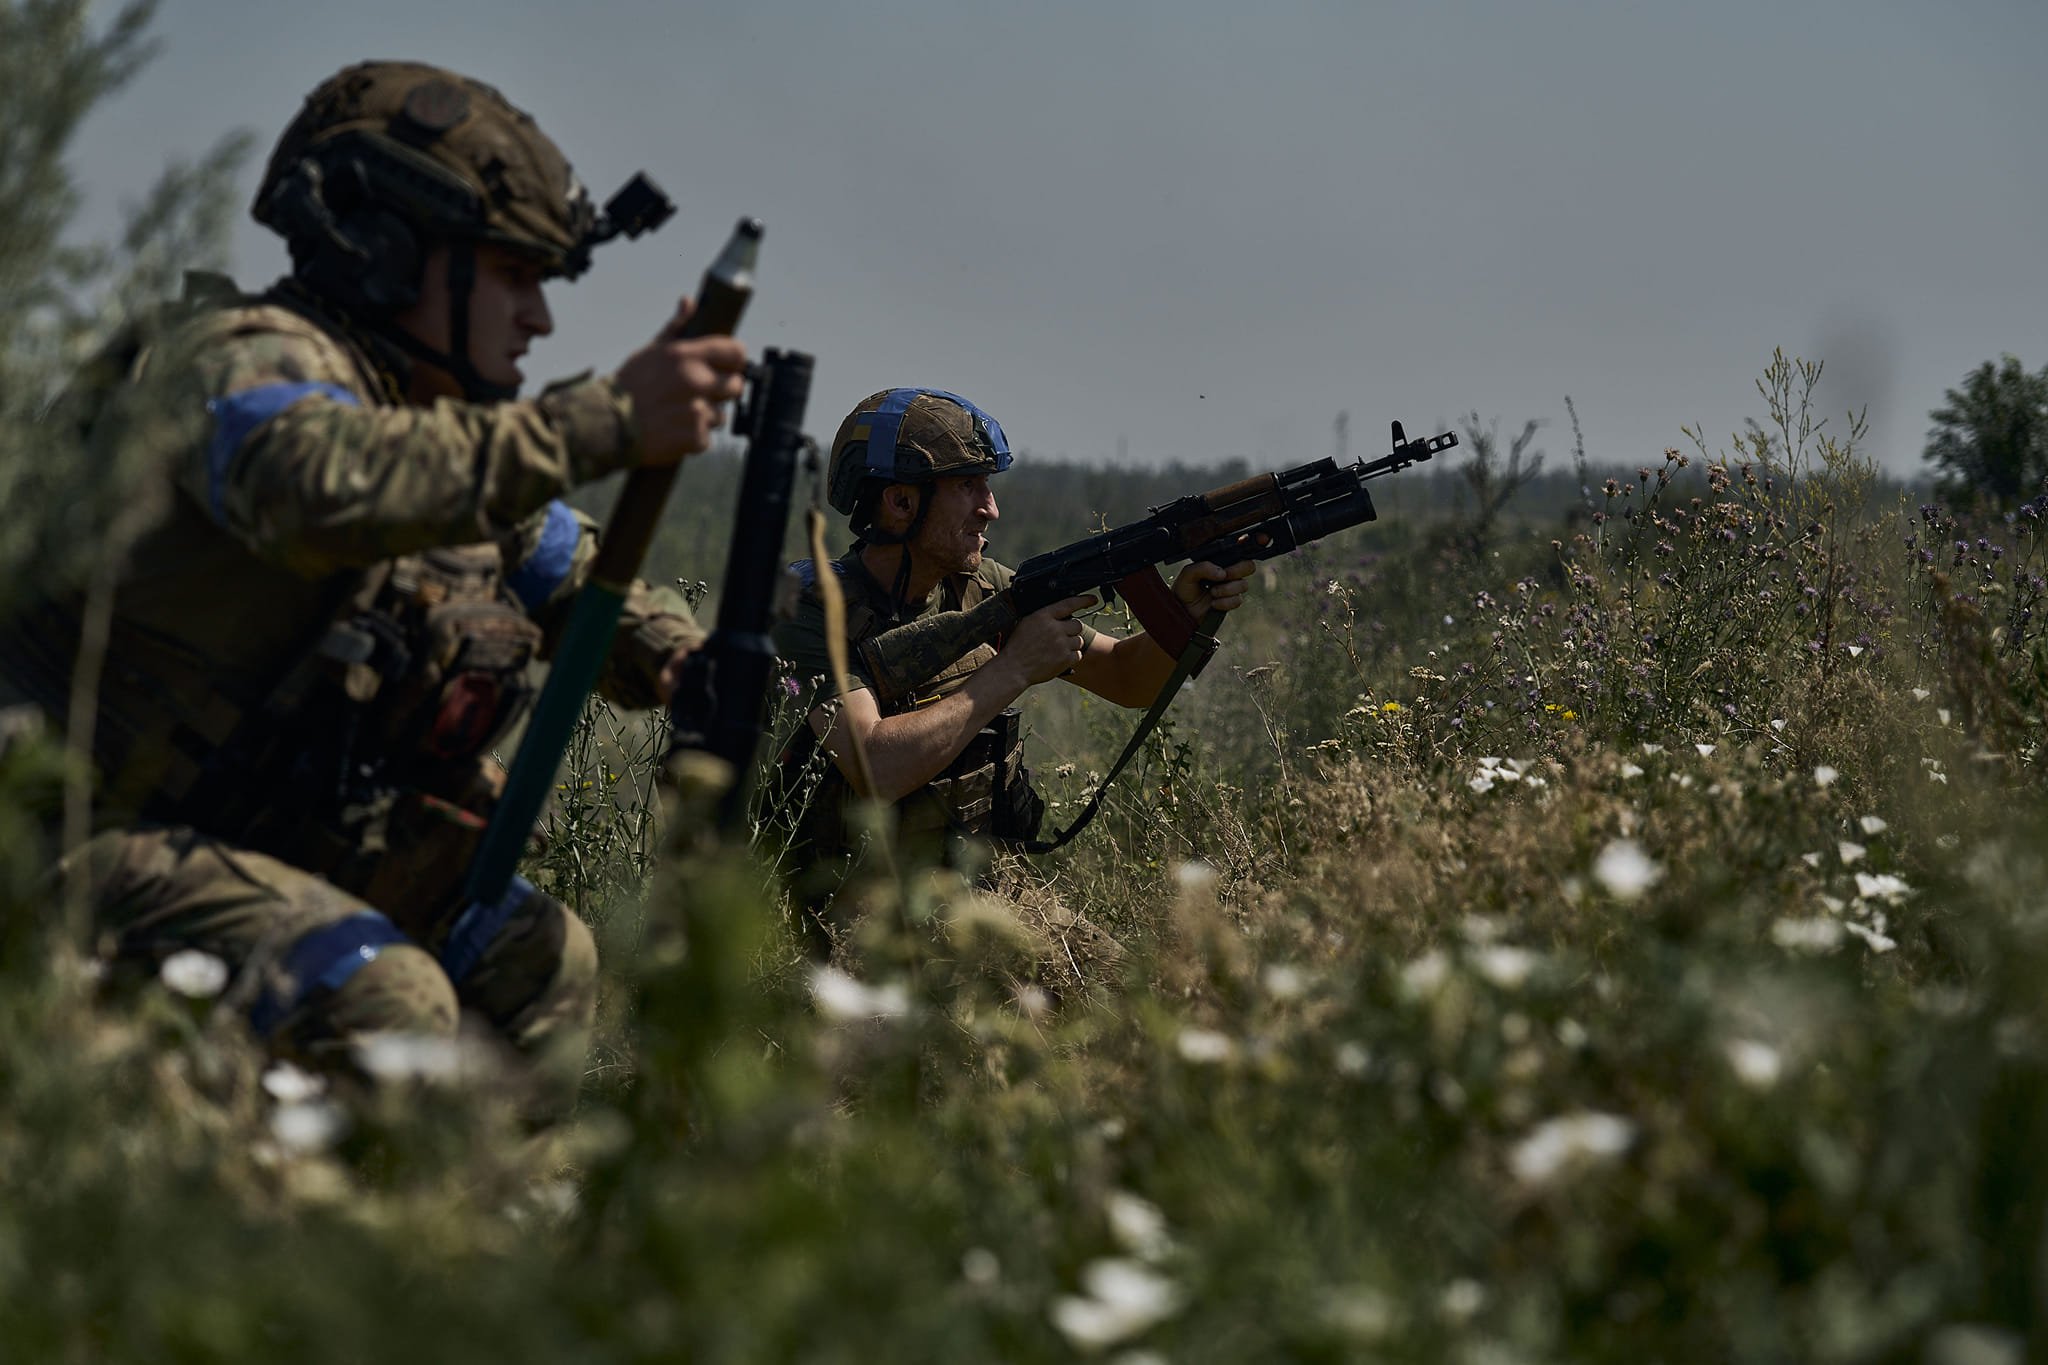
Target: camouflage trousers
315, 968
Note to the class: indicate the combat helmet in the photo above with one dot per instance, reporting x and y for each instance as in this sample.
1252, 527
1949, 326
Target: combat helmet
387, 158
909, 436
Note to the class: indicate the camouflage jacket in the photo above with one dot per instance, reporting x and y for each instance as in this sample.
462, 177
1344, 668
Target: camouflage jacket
289, 468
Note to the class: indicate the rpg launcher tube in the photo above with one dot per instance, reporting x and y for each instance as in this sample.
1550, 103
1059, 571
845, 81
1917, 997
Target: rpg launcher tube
721, 298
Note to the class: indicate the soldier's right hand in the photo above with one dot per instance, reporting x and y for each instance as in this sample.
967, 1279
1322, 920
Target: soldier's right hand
1047, 643
680, 388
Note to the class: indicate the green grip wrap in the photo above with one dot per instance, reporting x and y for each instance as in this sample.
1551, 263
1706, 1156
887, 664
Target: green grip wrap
899, 660
586, 643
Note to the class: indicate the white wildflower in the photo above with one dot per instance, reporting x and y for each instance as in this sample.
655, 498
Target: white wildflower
1882, 886
1572, 1034
1625, 870
308, 1126
1505, 965
1284, 982
1425, 976
287, 1084
1706, 750
1649, 748
1479, 928
1921, 694
1834, 905
1630, 770
980, 1267
1937, 775
1941, 714
1815, 934
1461, 1301
1204, 1047
1194, 875
393, 1056
1855, 651
1874, 938
1757, 1065
1353, 1059
1360, 1312
1810, 859
1850, 852
1824, 776
195, 974
1137, 1225
1778, 725
1481, 784
1873, 824
1122, 1298
841, 997
1558, 1147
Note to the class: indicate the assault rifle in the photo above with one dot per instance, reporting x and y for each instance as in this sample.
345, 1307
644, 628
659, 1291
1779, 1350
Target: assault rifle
1256, 518
718, 700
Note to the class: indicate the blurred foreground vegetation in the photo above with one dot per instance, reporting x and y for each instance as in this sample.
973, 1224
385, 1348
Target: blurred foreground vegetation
1616, 936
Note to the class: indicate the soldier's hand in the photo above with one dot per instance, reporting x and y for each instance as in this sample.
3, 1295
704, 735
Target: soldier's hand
1047, 643
1204, 585
680, 388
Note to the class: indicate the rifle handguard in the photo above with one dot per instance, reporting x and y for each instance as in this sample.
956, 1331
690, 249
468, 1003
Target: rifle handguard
898, 660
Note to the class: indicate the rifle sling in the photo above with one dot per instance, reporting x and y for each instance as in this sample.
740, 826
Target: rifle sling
1201, 648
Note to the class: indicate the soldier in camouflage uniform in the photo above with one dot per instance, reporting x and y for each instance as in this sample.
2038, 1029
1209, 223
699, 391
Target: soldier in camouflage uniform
315, 648
911, 469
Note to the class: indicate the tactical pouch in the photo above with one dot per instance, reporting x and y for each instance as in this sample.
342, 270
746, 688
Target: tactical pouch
429, 843
467, 682
986, 790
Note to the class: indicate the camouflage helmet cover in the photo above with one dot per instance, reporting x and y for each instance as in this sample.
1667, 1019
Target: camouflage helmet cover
453, 157
912, 436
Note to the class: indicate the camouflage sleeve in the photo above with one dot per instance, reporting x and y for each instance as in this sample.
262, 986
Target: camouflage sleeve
547, 559
311, 473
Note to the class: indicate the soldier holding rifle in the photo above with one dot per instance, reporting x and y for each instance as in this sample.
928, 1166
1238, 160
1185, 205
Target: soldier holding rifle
312, 652
911, 469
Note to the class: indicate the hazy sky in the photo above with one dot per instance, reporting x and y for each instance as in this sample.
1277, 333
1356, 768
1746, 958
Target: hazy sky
1205, 229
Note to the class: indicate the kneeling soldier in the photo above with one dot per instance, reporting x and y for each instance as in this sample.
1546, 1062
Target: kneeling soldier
314, 649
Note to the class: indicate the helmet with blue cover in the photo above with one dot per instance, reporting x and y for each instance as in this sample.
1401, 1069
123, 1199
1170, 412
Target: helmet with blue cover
911, 436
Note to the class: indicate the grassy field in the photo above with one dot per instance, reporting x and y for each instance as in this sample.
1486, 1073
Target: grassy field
1618, 936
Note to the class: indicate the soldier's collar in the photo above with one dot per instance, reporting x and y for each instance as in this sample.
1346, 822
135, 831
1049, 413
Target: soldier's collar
880, 598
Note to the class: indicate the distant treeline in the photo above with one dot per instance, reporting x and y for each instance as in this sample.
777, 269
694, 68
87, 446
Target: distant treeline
1047, 503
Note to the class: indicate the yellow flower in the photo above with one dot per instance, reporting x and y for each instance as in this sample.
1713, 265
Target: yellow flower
1571, 715
1550, 706
1389, 708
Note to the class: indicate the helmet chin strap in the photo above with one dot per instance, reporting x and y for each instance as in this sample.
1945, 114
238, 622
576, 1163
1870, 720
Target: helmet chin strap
455, 360
880, 537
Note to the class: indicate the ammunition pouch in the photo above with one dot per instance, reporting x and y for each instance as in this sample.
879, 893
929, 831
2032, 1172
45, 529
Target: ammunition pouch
985, 791
370, 764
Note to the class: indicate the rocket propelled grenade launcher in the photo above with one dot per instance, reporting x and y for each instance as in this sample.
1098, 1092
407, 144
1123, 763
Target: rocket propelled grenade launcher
1257, 518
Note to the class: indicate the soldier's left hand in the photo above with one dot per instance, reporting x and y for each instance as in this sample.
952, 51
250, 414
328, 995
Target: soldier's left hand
1203, 585
671, 675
